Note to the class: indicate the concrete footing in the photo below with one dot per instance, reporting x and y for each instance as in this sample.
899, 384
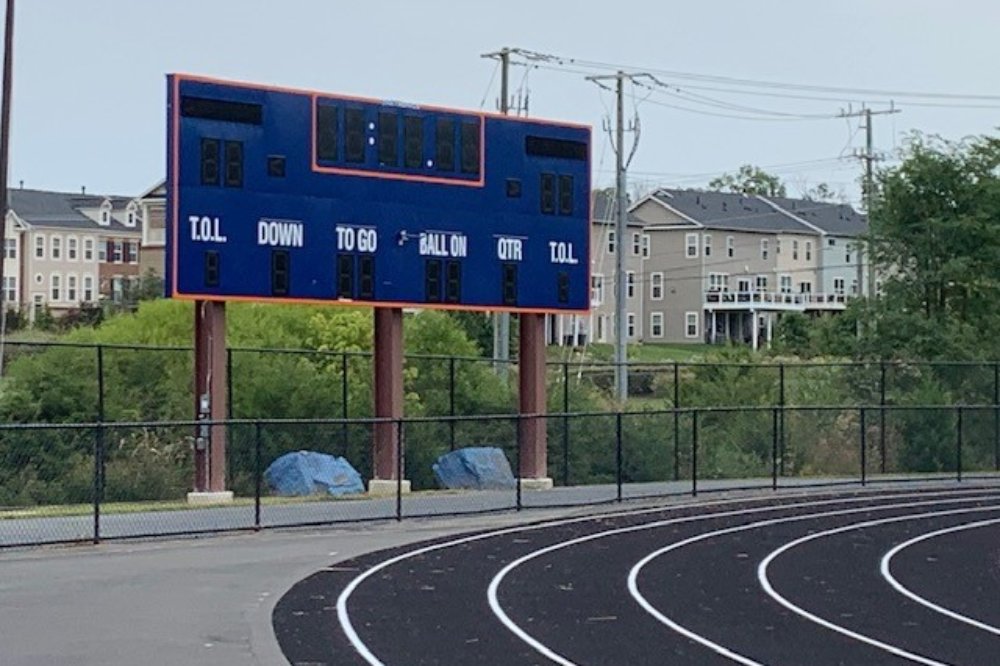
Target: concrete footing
544, 483
221, 497
387, 487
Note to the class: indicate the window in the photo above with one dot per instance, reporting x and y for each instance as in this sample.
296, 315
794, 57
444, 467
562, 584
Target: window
832, 242
132, 252
805, 287
71, 288
117, 250
847, 255
718, 282
105, 219
470, 147
88, 288
706, 242
691, 244
72, 252
88, 249
646, 242
763, 248
445, 144
10, 288
691, 324
354, 136
56, 247
55, 287
786, 284
102, 252
636, 244
656, 286
602, 325
596, 289
132, 215
795, 250
630, 325
730, 246
838, 286
630, 284
388, 153
854, 286
117, 289
656, 324
809, 250
761, 283
611, 242
413, 142
326, 133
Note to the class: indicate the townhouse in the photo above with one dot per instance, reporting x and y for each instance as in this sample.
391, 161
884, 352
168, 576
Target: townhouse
718, 267
64, 250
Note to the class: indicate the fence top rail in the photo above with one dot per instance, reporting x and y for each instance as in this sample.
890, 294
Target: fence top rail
110, 425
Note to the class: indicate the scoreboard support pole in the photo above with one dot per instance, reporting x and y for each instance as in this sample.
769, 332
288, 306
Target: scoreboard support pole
210, 403
388, 385
533, 471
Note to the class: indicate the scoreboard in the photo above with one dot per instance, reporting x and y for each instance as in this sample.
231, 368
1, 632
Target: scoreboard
298, 196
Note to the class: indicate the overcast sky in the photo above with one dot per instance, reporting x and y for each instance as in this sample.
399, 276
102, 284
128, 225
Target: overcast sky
89, 81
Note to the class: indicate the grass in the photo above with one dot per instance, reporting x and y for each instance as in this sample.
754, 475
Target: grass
650, 353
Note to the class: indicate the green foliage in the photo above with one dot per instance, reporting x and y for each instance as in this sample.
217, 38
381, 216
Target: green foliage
749, 179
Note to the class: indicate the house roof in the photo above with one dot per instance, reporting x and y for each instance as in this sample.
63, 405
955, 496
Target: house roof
739, 212
603, 209
63, 210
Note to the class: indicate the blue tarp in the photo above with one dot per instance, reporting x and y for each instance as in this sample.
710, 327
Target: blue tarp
479, 468
307, 472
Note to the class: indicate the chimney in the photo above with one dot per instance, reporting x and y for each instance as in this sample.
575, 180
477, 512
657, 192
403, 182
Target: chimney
83, 189
22, 184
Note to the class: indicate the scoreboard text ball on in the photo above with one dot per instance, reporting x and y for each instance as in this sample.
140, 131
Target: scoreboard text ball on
287, 195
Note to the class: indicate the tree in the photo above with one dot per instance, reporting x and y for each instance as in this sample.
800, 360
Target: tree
749, 179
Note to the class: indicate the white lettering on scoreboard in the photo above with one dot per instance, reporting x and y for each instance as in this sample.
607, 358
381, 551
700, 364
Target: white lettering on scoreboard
356, 239
510, 249
562, 253
443, 244
280, 233
205, 229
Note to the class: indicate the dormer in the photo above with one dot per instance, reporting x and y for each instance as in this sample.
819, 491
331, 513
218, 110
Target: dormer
104, 217
132, 216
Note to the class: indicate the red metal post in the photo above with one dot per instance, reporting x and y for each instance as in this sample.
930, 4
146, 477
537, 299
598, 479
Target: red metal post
388, 362
531, 364
210, 383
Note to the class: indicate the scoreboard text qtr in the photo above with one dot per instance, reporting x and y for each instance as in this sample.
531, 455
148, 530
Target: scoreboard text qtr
297, 196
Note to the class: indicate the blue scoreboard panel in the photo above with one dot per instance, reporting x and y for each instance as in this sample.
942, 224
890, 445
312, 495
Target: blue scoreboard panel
297, 196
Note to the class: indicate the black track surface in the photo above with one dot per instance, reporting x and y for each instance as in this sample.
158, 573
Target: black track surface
433, 609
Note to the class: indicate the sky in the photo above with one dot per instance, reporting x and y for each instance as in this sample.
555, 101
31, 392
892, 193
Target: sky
89, 86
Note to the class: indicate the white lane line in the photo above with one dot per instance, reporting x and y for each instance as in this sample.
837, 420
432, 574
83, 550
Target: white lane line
343, 615
765, 582
633, 577
492, 592
886, 566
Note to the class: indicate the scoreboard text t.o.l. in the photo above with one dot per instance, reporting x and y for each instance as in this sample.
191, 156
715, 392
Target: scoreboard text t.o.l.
286, 195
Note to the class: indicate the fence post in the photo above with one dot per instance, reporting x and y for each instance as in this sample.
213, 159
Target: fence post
694, 453
100, 383
517, 463
958, 446
618, 453
257, 474
229, 382
774, 449
343, 399
565, 419
996, 416
862, 435
451, 403
677, 422
400, 451
881, 416
781, 403
98, 480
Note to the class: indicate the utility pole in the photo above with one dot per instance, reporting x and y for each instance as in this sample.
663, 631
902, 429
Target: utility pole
8, 75
501, 320
621, 329
869, 157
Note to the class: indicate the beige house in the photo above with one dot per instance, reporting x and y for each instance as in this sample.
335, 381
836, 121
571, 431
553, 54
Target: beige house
65, 250
154, 233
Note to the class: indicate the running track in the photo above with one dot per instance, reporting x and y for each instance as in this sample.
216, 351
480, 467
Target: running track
908, 576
